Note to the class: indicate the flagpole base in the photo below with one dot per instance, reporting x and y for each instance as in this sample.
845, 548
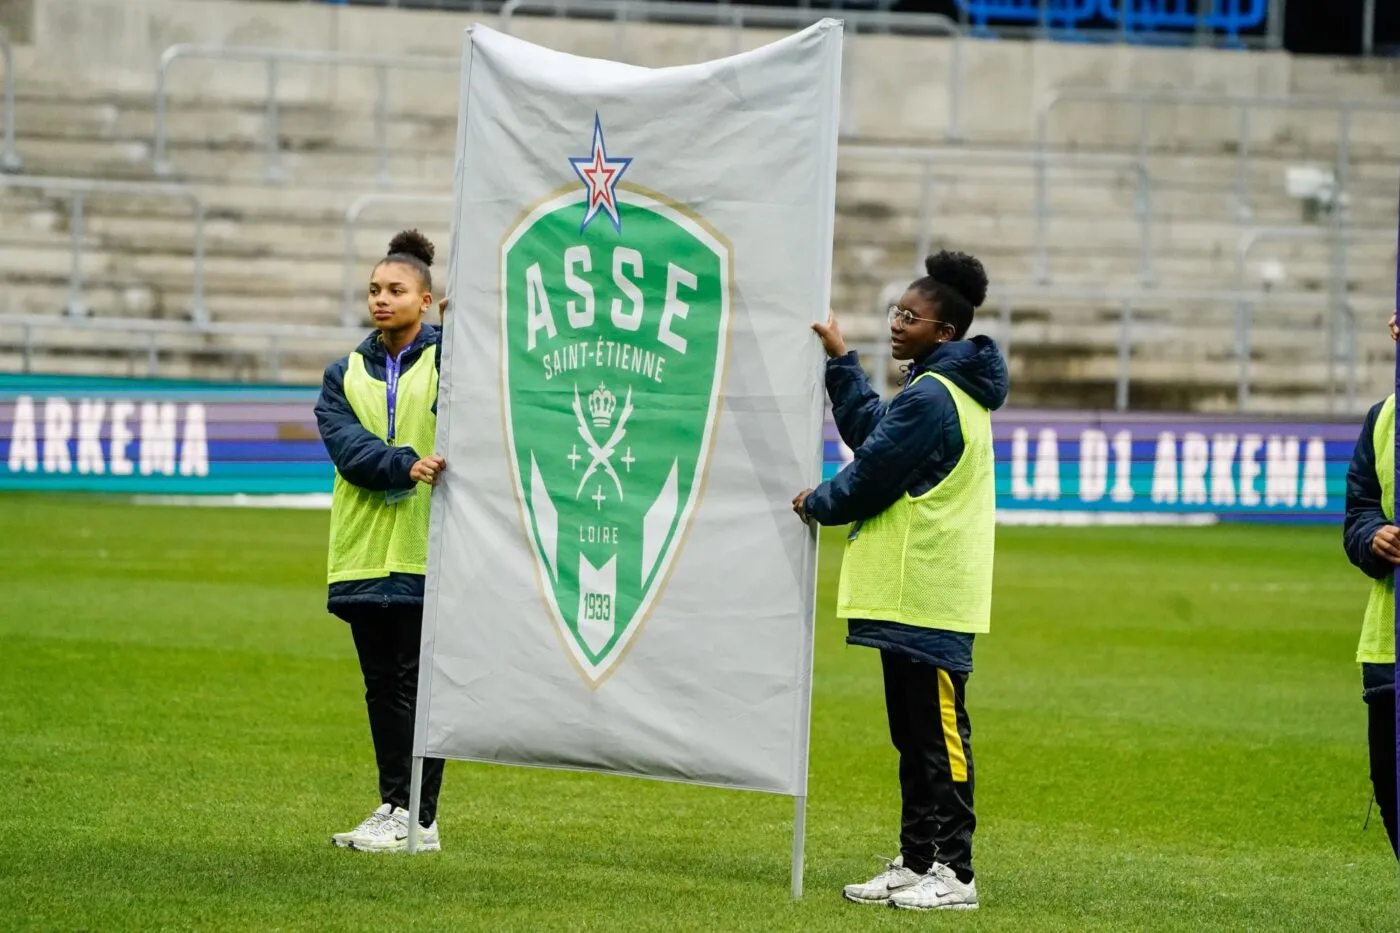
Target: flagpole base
799, 839
415, 803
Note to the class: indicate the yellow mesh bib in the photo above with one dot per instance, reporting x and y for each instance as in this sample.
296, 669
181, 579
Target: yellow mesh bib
370, 537
1378, 629
927, 561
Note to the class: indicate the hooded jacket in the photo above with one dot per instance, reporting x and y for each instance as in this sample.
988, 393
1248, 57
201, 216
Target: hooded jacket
368, 462
908, 445
1364, 517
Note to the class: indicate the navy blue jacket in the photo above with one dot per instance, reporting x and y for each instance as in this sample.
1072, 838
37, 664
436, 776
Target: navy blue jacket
1364, 518
909, 445
368, 462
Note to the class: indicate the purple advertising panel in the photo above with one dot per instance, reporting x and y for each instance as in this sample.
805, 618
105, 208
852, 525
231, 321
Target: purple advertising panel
1084, 467
191, 438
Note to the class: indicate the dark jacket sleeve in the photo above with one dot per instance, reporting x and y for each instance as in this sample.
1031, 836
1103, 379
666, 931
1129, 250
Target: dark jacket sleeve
1364, 513
891, 460
1364, 516
855, 405
361, 458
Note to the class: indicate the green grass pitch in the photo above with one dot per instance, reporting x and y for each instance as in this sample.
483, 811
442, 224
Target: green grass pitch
1167, 727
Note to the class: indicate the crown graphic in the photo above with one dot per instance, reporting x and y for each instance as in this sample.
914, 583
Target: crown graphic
601, 405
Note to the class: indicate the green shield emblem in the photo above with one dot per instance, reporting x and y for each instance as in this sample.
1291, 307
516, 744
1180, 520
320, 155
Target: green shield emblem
613, 345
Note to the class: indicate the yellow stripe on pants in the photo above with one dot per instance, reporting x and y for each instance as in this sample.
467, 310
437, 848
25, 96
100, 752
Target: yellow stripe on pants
948, 708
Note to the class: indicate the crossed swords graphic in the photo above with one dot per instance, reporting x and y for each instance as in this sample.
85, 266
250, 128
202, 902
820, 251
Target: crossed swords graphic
602, 456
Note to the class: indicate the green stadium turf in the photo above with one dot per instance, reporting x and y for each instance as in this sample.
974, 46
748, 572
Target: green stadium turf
1167, 727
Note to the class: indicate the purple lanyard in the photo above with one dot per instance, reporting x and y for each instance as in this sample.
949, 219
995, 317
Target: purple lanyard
393, 367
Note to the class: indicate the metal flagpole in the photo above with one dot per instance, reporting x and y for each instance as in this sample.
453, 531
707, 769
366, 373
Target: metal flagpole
415, 802
804, 720
799, 839
1397, 477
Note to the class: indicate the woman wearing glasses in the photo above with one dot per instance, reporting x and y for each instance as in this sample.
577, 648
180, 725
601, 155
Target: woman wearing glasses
916, 581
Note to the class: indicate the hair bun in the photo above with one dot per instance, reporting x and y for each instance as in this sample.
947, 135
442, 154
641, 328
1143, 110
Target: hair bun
960, 272
412, 243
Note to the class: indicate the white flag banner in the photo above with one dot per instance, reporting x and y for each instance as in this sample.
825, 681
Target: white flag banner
630, 399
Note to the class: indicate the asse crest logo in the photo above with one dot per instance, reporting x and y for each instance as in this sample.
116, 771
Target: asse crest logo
615, 311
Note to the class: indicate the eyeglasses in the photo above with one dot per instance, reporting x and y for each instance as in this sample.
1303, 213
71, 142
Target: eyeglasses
907, 318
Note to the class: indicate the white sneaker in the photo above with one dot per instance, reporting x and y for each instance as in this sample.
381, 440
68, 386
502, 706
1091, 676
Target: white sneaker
343, 840
940, 889
877, 890
391, 835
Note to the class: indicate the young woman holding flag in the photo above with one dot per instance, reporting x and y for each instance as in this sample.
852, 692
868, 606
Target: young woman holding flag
916, 581
377, 416
1372, 543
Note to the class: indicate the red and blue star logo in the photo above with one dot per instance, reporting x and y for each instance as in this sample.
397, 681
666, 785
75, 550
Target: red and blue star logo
601, 174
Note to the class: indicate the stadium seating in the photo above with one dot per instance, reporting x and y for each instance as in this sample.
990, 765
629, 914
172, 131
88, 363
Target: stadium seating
1153, 21
276, 253
1064, 16
1165, 17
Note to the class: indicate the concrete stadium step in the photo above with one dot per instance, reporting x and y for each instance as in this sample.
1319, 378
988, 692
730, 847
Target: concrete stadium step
323, 348
169, 295
1109, 270
1306, 262
1182, 237
1300, 405
1267, 174
276, 252
136, 363
1201, 327
296, 205
131, 158
1001, 95
1304, 265
876, 197
150, 299
115, 247
1187, 127
1210, 245
310, 241
1152, 368
1103, 196
282, 204
322, 309
224, 123
203, 157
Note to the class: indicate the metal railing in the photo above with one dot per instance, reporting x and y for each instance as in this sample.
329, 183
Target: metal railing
1244, 107
1338, 298
929, 160
9, 159
144, 335
1129, 299
738, 17
1337, 234
77, 190
273, 59
348, 314
1041, 161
